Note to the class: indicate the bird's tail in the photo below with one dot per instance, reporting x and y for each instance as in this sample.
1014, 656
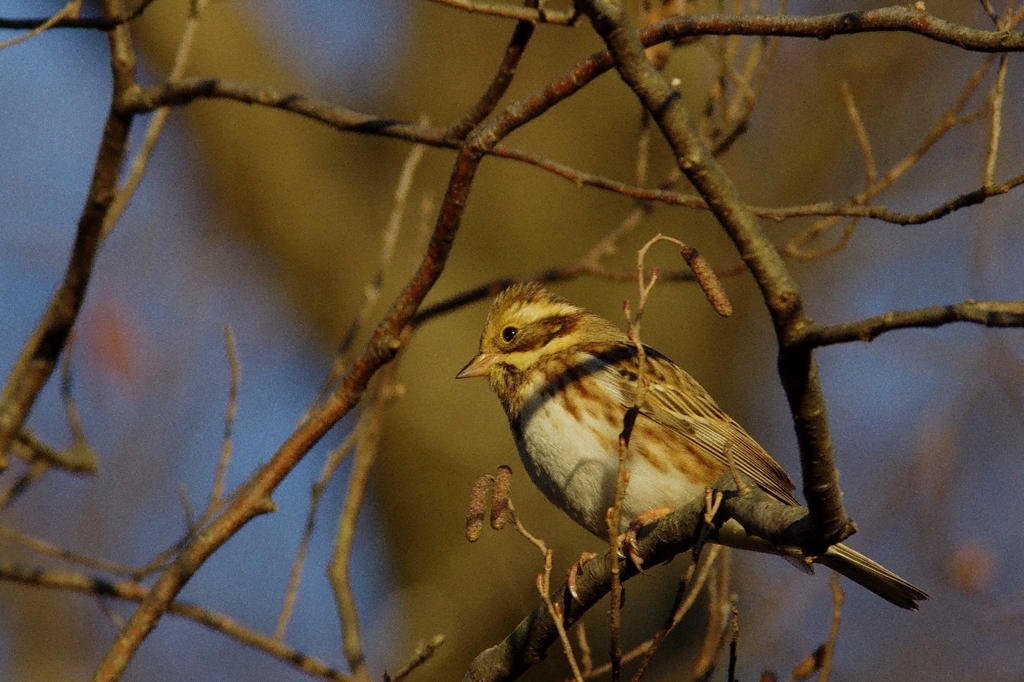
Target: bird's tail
872, 575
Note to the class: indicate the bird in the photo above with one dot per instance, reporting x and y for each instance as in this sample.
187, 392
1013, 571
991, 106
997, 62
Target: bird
566, 378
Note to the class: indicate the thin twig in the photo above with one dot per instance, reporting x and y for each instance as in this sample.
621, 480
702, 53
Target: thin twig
68, 11
156, 125
135, 592
862, 134
686, 595
338, 569
540, 16
719, 605
217, 490
950, 119
996, 128
372, 292
50, 549
1003, 314
544, 587
334, 459
424, 652
586, 658
502, 79
38, 357
833, 630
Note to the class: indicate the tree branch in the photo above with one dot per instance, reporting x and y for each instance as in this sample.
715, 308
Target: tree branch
129, 590
658, 543
896, 18
780, 292
254, 496
985, 313
39, 355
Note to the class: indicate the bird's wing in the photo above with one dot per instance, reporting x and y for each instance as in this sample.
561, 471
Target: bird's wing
676, 401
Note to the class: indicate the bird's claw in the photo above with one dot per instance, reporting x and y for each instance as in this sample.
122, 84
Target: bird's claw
574, 570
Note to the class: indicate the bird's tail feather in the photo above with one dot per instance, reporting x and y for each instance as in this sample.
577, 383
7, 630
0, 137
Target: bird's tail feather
872, 576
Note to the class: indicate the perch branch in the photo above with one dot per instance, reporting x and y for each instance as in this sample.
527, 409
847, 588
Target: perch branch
780, 292
658, 543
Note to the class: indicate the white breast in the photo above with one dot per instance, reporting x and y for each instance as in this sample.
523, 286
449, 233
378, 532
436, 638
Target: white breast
575, 464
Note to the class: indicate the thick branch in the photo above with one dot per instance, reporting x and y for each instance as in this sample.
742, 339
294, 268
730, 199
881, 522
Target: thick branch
659, 543
781, 293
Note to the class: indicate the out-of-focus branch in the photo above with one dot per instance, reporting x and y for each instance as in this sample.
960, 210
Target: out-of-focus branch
338, 569
780, 291
896, 18
985, 313
94, 23
129, 590
660, 542
188, 90
253, 497
529, 14
26, 446
502, 79
156, 124
70, 10
39, 356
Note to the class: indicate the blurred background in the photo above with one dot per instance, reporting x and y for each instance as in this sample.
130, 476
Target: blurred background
270, 224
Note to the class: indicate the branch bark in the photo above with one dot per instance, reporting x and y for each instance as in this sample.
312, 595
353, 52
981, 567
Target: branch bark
984, 313
780, 291
896, 18
39, 356
659, 543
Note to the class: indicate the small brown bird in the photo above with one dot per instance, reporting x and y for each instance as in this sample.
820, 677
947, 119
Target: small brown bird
566, 378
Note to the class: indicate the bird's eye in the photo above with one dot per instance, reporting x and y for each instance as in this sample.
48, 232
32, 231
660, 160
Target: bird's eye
509, 333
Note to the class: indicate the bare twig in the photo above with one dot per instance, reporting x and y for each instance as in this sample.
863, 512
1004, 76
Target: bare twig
613, 517
984, 313
874, 186
372, 291
686, 594
544, 587
886, 19
833, 630
734, 643
50, 549
502, 79
530, 14
27, 447
134, 592
217, 490
39, 355
68, 11
156, 125
424, 652
862, 134
338, 569
334, 459
996, 128
36, 470
578, 77
716, 631
586, 659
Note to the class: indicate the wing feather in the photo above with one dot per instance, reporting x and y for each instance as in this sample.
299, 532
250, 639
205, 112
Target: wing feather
676, 401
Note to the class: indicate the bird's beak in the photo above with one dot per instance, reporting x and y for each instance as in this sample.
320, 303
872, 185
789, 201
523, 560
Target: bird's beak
479, 366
